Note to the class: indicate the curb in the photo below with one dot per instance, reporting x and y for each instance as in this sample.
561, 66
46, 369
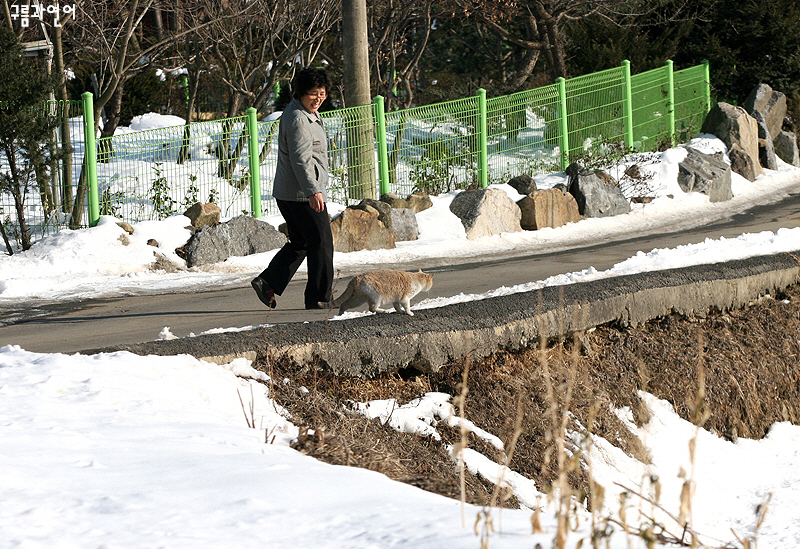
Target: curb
371, 345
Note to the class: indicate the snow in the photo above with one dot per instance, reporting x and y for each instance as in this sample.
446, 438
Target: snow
123, 451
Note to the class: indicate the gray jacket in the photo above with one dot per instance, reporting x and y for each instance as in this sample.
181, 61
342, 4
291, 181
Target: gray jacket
302, 168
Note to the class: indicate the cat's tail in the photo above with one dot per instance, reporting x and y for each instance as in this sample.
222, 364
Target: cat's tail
339, 300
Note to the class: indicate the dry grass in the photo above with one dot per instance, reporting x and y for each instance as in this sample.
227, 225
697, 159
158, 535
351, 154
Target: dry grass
748, 359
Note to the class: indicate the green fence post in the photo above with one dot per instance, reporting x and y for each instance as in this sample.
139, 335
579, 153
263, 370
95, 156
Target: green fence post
562, 121
90, 158
628, 104
255, 167
707, 77
483, 130
670, 101
383, 150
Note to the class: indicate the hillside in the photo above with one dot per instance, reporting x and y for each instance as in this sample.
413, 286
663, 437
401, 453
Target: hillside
743, 362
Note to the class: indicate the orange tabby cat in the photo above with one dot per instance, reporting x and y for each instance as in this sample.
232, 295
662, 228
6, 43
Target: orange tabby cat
379, 287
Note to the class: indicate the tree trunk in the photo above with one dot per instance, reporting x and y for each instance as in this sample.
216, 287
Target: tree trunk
66, 139
105, 147
360, 136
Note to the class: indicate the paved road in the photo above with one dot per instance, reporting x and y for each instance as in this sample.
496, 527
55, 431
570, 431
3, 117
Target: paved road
71, 327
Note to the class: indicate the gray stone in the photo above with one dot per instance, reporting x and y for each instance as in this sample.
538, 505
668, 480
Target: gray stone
485, 212
242, 235
417, 202
203, 215
786, 148
524, 184
739, 131
404, 224
127, 227
766, 148
383, 209
360, 229
708, 174
596, 196
548, 208
770, 104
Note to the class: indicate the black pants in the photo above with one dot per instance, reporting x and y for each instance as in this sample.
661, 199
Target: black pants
310, 238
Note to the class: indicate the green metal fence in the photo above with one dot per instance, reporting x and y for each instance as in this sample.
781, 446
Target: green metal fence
157, 173
470, 142
46, 203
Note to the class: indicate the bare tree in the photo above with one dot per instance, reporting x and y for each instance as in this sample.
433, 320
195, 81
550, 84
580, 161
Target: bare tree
399, 32
253, 43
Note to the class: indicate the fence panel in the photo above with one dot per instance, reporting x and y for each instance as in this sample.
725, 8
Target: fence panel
523, 134
691, 96
433, 148
352, 154
596, 110
47, 207
651, 125
157, 173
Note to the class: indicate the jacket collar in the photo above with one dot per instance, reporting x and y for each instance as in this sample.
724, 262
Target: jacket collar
310, 115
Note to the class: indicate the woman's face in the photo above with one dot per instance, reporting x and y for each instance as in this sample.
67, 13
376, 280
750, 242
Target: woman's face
313, 99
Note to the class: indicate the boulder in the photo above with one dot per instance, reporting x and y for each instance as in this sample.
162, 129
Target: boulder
404, 224
708, 174
739, 131
548, 208
360, 229
786, 148
485, 212
382, 209
203, 215
770, 104
766, 148
597, 195
417, 202
242, 235
524, 184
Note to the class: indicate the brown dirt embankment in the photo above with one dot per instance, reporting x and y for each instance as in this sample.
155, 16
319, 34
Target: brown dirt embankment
742, 365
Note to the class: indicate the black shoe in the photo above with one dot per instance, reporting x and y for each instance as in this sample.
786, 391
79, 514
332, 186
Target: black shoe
264, 292
314, 306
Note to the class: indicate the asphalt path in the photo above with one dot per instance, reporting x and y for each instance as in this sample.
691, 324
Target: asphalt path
70, 327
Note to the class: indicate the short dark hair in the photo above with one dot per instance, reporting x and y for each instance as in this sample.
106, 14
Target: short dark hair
310, 78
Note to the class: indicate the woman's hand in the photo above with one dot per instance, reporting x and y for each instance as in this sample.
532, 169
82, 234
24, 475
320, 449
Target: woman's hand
317, 202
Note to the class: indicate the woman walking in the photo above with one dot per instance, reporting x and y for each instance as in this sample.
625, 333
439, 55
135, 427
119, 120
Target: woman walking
300, 190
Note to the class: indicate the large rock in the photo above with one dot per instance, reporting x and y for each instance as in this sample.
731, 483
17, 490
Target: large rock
360, 229
524, 184
383, 210
404, 224
597, 194
771, 104
708, 174
766, 148
739, 131
548, 208
485, 212
242, 235
417, 202
203, 215
786, 148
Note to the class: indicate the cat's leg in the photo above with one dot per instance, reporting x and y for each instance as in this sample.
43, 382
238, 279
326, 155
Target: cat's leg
407, 306
351, 302
375, 306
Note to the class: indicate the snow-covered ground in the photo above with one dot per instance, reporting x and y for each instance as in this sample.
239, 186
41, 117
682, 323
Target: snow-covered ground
123, 451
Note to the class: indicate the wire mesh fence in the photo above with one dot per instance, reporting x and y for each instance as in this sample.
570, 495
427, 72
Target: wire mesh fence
523, 134
652, 108
157, 173
436, 148
433, 148
692, 101
38, 195
595, 107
